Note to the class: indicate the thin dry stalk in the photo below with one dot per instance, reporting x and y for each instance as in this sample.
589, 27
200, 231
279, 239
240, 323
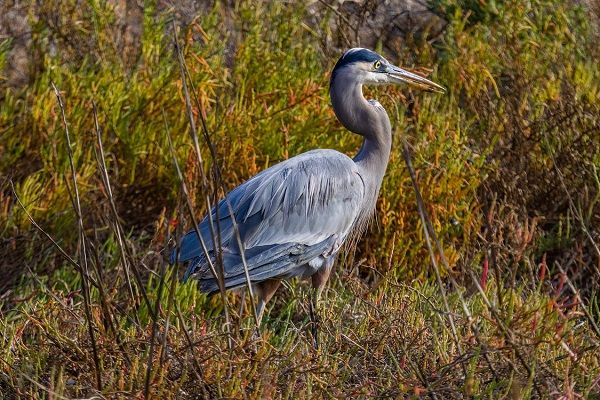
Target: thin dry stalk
219, 184
39, 228
428, 228
424, 220
116, 226
51, 393
163, 267
103, 302
587, 313
50, 293
107, 307
83, 252
188, 203
205, 188
190, 210
171, 299
190, 346
341, 17
105, 181
574, 209
508, 334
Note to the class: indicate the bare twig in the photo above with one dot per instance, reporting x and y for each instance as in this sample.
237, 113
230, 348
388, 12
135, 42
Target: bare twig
190, 210
588, 315
116, 226
83, 250
198, 368
428, 227
51, 393
50, 293
574, 209
163, 266
219, 184
39, 228
426, 230
106, 182
107, 307
172, 289
220, 274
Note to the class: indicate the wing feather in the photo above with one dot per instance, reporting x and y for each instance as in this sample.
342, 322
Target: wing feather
288, 214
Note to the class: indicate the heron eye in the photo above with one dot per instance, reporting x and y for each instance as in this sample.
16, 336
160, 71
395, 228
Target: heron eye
377, 64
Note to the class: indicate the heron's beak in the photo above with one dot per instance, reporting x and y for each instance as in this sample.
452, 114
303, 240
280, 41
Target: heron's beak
398, 75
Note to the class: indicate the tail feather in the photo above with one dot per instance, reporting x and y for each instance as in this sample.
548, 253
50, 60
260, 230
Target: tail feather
266, 265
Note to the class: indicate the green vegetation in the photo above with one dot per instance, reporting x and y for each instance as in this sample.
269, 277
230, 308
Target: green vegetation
508, 162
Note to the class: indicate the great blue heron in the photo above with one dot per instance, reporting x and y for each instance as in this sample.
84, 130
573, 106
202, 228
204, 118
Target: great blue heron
293, 217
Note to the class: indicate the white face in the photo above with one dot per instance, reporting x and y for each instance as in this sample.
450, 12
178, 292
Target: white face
374, 74
371, 73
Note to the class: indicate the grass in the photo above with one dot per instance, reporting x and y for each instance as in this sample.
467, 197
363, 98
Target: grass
507, 162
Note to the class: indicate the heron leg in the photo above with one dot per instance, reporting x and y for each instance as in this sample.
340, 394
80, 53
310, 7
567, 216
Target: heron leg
265, 291
319, 279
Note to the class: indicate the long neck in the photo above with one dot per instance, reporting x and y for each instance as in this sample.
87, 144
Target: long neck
369, 120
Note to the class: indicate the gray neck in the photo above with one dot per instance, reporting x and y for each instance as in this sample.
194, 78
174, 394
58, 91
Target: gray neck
368, 119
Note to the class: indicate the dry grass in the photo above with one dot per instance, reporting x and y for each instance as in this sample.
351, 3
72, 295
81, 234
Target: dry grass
502, 303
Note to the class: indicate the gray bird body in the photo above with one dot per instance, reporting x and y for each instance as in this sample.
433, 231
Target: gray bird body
291, 218
294, 217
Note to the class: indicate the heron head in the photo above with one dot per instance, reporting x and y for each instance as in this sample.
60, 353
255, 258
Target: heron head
369, 68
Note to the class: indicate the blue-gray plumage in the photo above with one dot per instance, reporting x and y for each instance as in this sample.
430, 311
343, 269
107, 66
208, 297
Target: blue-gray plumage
294, 217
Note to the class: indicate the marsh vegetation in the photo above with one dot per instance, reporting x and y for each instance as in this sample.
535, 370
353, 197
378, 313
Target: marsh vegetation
508, 163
